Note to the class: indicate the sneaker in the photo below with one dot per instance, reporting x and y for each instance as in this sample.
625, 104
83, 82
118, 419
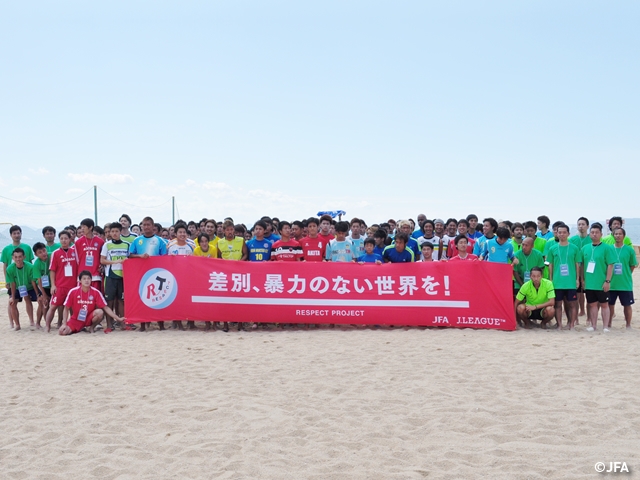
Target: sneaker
605, 330
589, 329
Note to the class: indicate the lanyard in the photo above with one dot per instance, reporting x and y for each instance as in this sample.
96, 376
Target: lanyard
593, 250
566, 258
18, 276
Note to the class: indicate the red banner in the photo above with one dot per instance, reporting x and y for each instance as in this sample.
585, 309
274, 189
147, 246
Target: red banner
441, 294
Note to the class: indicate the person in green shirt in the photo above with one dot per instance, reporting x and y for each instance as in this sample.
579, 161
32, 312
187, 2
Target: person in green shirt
42, 280
528, 258
563, 272
518, 235
20, 279
535, 300
7, 258
49, 234
530, 229
622, 280
596, 271
580, 240
615, 223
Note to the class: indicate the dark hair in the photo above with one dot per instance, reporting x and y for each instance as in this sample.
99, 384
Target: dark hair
313, 220
99, 230
297, 223
597, 225
380, 233
115, 225
426, 244
428, 222
613, 219
369, 241
84, 273
557, 224
158, 226
260, 223
327, 218
517, 225
530, 224
18, 250
239, 229
619, 228
492, 222
503, 232
586, 220
48, 229
536, 269
508, 223
544, 219
87, 222
451, 220
14, 228
402, 236
342, 227
460, 237
355, 220
147, 219
134, 225
472, 216
562, 225
65, 233
282, 224
180, 225
124, 215
464, 222
205, 236
38, 246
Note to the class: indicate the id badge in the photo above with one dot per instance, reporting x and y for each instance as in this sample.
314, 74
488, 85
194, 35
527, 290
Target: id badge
45, 281
617, 269
527, 276
591, 267
68, 270
82, 314
22, 290
564, 270
89, 260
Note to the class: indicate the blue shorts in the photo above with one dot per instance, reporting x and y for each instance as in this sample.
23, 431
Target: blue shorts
626, 297
568, 294
30, 293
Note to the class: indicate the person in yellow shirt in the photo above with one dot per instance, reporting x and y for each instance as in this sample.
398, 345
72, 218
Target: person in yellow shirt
231, 247
205, 247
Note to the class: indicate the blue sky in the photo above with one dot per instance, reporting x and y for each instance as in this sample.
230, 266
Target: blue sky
241, 109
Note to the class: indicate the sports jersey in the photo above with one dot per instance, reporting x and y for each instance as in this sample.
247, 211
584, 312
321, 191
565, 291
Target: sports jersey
274, 237
452, 250
564, 259
7, 253
152, 246
579, 241
326, 238
539, 243
211, 253
470, 256
496, 253
290, 251
516, 246
78, 301
313, 249
435, 241
65, 266
601, 255
545, 236
625, 259
370, 258
481, 244
378, 250
40, 271
548, 246
417, 234
231, 249
610, 240
51, 248
475, 235
358, 245
88, 254
173, 248
525, 264
259, 250
340, 251
114, 251
390, 253
22, 277
128, 238
536, 296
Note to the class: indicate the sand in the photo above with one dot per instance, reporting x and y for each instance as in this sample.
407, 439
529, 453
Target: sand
320, 404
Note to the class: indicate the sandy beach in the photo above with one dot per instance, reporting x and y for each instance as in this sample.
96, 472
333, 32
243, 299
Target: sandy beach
348, 403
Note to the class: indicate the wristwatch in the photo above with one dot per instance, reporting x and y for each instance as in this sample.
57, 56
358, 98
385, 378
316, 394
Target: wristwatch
607, 281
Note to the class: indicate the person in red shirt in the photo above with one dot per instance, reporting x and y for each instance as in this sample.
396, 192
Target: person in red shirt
325, 229
87, 306
88, 248
313, 247
63, 273
462, 249
286, 249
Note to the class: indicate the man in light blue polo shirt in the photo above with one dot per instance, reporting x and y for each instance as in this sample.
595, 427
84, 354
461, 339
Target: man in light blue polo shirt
499, 249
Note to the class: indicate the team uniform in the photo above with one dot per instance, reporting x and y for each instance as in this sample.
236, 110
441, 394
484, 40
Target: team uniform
435, 241
610, 240
128, 238
563, 258
452, 249
536, 296
358, 245
187, 249
595, 259
211, 253
579, 241
290, 251
496, 253
480, 245
370, 258
340, 251
40, 271
152, 246
273, 238
313, 249
524, 266
65, 266
259, 250
622, 281
82, 305
23, 278
390, 253
7, 253
88, 255
545, 236
231, 249
457, 257
114, 285
52, 248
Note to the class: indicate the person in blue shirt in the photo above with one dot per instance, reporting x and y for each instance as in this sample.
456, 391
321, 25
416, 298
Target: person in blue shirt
399, 252
404, 226
543, 228
473, 223
370, 256
499, 249
259, 247
489, 227
380, 239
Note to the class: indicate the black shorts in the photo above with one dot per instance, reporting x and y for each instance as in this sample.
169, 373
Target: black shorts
567, 294
536, 314
626, 297
598, 296
30, 293
580, 289
113, 289
47, 290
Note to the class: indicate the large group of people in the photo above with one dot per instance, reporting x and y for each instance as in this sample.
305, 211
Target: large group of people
80, 276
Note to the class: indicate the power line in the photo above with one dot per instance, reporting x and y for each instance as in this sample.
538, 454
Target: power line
131, 204
46, 204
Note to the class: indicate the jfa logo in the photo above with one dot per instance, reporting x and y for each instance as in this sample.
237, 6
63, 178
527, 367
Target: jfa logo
158, 288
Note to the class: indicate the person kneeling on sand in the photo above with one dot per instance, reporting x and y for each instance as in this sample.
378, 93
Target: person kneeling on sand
536, 299
87, 307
